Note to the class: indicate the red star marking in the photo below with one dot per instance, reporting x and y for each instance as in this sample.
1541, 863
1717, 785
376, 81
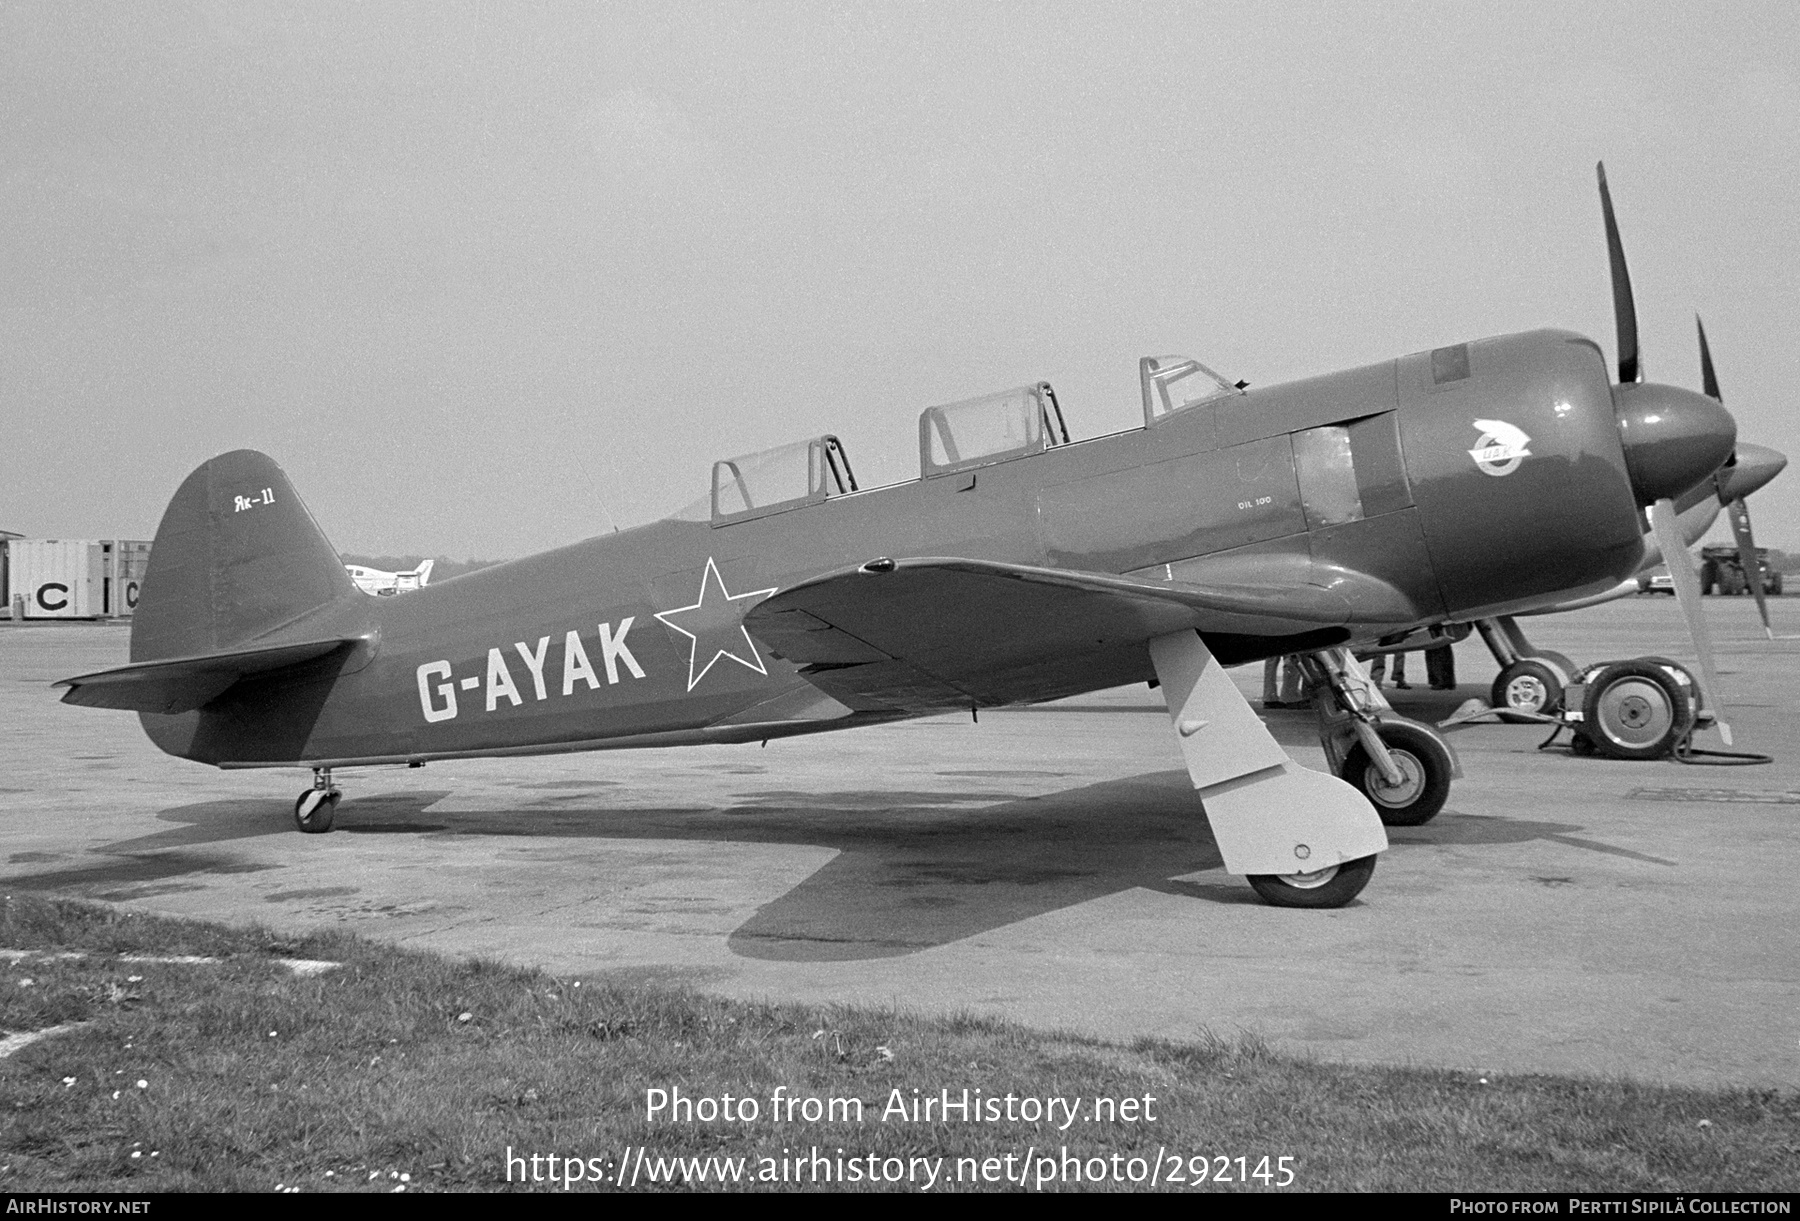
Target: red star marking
715, 626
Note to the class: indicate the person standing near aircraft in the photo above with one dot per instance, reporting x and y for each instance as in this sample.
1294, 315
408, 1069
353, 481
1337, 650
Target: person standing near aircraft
1378, 671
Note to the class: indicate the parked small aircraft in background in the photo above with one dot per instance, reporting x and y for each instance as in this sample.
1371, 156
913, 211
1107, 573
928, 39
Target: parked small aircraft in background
1477, 480
375, 581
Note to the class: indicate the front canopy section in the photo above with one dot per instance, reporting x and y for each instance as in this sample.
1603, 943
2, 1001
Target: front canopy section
1174, 383
993, 428
776, 480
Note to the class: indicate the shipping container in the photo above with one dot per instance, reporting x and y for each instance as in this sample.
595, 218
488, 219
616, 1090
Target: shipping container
72, 578
57, 578
130, 559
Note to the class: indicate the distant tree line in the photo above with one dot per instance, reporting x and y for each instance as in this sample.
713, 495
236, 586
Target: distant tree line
441, 570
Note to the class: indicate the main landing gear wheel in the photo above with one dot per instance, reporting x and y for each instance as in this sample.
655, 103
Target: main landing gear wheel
314, 810
1527, 685
1425, 770
1635, 710
1332, 886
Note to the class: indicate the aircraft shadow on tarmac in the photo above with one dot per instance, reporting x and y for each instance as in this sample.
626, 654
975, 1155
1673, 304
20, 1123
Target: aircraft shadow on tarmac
913, 870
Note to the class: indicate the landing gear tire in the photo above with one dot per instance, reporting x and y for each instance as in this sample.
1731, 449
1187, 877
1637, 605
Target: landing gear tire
314, 809
1333, 886
1527, 685
1635, 710
1425, 771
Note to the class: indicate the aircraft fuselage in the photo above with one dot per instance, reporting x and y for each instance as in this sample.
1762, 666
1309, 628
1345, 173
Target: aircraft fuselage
1452, 484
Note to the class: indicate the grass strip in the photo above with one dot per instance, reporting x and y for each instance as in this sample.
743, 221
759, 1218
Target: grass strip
407, 1070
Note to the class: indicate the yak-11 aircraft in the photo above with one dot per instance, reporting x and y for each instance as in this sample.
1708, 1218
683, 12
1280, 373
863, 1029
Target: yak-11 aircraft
1474, 480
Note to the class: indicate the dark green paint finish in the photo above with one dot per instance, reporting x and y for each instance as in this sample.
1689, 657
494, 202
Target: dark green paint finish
1212, 490
1565, 517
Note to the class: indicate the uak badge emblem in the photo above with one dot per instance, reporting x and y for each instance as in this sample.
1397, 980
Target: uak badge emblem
1500, 448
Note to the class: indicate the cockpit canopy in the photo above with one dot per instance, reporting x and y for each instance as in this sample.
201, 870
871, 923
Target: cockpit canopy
1172, 383
993, 428
775, 480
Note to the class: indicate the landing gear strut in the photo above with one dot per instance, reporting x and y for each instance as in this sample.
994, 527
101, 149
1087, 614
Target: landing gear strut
1404, 767
1302, 838
315, 807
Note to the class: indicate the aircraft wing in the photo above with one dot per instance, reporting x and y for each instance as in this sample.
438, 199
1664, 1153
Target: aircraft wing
922, 634
181, 684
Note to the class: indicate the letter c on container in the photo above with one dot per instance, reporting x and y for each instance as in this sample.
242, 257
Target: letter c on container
448, 690
45, 602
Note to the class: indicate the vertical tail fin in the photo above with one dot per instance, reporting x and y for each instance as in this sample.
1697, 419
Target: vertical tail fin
237, 555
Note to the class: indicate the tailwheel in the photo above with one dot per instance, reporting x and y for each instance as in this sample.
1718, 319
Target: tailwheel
315, 808
1425, 772
1332, 886
1529, 685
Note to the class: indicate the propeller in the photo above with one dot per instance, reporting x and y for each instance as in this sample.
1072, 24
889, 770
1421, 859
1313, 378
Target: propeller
1736, 507
1687, 593
1673, 440
1624, 309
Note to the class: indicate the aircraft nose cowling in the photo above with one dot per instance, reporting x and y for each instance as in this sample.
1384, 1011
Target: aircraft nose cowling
1756, 465
1673, 438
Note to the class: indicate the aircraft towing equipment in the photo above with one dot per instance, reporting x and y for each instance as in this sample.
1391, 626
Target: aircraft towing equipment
1641, 708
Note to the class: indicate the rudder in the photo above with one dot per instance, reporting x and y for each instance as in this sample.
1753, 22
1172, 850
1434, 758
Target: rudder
237, 555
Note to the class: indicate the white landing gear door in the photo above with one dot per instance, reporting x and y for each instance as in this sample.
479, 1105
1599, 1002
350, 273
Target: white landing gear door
1269, 815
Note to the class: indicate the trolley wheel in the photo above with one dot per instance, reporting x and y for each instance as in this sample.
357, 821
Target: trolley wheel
1693, 680
1635, 710
1425, 768
1332, 886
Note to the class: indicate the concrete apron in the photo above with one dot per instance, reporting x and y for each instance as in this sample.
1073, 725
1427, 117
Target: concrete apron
1051, 866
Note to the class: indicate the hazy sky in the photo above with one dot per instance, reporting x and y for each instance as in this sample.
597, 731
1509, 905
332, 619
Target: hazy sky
490, 277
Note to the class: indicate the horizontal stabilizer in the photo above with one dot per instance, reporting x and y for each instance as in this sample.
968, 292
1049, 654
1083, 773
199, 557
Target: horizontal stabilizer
182, 684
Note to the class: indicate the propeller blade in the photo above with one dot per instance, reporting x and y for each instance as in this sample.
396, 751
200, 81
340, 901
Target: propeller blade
1739, 512
1708, 378
1738, 509
1687, 593
1624, 311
